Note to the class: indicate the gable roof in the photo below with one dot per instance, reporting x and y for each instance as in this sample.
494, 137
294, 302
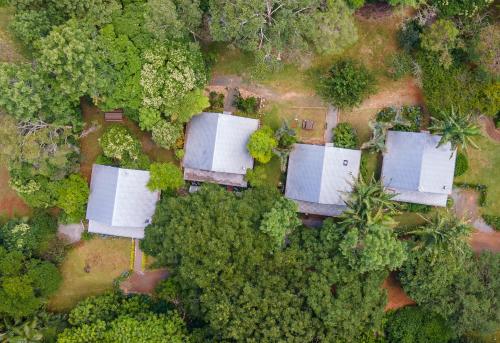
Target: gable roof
321, 174
119, 197
413, 162
217, 142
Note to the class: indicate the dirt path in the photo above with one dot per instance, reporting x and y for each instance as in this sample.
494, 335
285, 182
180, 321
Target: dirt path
143, 283
396, 297
10, 203
234, 81
466, 206
489, 127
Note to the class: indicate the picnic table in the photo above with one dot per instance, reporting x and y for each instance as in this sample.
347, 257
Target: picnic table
114, 116
308, 124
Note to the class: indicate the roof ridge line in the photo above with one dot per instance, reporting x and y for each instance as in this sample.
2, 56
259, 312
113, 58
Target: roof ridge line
116, 192
215, 140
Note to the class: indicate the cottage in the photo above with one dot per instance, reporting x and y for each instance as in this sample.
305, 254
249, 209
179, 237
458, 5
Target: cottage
319, 177
416, 169
215, 149
120, 204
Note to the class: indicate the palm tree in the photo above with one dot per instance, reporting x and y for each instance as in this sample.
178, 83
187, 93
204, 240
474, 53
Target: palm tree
443, 232
455, 128
377, 142
23, 332
368, 204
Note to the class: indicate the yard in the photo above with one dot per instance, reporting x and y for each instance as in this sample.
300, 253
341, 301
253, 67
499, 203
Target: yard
90, 148
104, 259
484, 168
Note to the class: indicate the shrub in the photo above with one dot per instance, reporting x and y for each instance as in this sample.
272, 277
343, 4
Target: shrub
493, 221
216, 101
165, 176
482, 189
346, 84
261, 144
257, 177
73, 194
118, 143
461, 164
248, 105
440, 38
179, 154
416, 325
166, 134
412, 114
400, 65
344, 136
386, 115
409, 36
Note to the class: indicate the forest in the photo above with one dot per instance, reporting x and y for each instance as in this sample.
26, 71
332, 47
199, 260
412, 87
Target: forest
243, 265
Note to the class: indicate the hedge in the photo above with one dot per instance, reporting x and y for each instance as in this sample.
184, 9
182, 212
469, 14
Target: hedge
493, 221
482, 189
461, 164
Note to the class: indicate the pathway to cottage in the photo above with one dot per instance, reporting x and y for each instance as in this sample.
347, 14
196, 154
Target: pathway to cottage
490, 128
142, 281
484, 237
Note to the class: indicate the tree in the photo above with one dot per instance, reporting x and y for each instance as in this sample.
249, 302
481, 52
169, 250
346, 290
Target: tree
168, 19
165, 177
344, 136
303, 292
442, 276
257, 177
261, 144
113, 317
73, 194
69, 56
369, 242
118, 143
166, 134
280, 221
32, 237
277, 28
488, 50
465, 8
30, 25
416, 325
24, 283
456, 129
346, 84
170, 73
441, 37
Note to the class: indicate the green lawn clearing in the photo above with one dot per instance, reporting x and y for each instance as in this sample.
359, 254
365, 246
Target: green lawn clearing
10, 49
484, 168
106, 259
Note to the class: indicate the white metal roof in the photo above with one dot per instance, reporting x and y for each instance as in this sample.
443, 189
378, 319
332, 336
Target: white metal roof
217, 142
414, 164
321, 174
119, 197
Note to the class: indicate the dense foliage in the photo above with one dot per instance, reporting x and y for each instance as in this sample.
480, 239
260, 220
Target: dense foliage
344, 136
165, 177
277, 29
113, 317
461, 164
347, 84
416, 325
270, 292
442, 275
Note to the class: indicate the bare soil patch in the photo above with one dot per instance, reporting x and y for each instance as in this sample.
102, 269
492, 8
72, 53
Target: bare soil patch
375, 10
489, 127
396, 297
143, 283
11, 205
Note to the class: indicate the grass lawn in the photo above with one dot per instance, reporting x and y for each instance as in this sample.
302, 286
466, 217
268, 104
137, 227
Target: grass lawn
10, 49
107, 259
273, 171
484, 168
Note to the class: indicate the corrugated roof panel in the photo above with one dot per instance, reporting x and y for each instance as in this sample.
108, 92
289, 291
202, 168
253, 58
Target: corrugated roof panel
231, 154
200, 141
135, 204
340, 172
102, 193
305, 169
